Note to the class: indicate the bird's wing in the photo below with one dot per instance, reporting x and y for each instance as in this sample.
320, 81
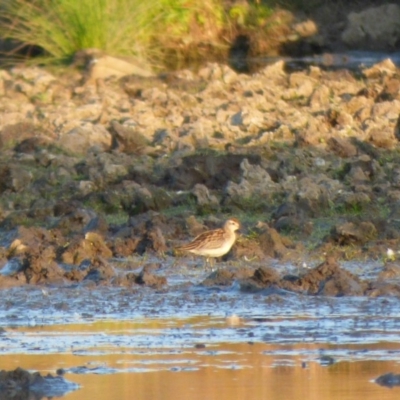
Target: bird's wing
204, 240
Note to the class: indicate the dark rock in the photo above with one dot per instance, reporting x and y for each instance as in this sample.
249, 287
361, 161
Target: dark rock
9, 282
41, 209
124, 246
212, 170
363, 169
14, 178
40, 267
125, 280
100, 271
148, 279
4, 256
127, 140
311, 197
221, 277
273, 244
15, 134
226, 277
205, 200
21, 384
329, 279
263, 277
255, 190
81, 139
291, 217
35, 248
111, 201
383, 138
389, 271
89, 247
363, 32
365, 147
74, 273
152, 238
351, 233
77, 221
194, 227
147, 198
342, 147
151, 267
391, 90
379, 289
247, 250
65, 207
355, 201
239, 52
326, 360
389, 380
32, 145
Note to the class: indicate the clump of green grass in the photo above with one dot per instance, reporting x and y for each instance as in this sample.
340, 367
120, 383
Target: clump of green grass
63, 27
144, 29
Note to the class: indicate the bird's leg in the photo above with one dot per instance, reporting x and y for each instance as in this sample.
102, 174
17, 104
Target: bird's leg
212, 263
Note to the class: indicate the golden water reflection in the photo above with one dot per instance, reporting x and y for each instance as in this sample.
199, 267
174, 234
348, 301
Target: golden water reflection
224, 371
242, 372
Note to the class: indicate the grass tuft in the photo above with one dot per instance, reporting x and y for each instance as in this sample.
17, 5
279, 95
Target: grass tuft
144, 29
63, 27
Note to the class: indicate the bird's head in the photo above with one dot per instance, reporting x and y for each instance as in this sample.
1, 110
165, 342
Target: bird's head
232, 224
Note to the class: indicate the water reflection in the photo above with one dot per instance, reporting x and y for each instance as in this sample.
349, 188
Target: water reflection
275, 347
224, 371
352, 60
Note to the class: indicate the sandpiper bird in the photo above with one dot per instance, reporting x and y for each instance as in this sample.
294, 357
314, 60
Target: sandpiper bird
214, 243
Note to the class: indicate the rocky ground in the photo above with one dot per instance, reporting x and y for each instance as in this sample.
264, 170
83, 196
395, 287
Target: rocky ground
93, 170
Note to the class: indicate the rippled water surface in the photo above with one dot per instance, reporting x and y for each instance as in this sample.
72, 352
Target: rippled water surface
352, 60
190, 342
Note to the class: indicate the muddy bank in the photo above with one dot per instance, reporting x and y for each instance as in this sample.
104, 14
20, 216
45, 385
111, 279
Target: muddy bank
94, 172
326, 279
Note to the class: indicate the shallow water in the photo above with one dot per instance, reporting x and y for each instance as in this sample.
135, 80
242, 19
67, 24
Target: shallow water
189, 342
352, 60
226, 371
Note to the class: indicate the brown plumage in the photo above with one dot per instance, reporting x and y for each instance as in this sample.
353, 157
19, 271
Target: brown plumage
214, 243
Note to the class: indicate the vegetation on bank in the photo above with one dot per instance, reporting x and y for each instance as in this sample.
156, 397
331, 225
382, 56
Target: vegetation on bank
155, 30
